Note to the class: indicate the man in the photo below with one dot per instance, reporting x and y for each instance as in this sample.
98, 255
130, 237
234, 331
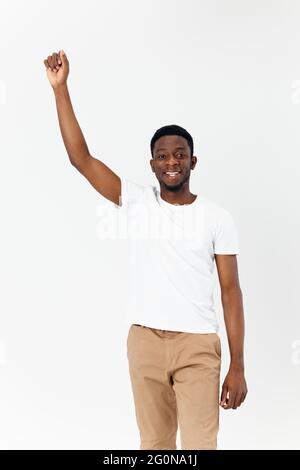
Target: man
173, 348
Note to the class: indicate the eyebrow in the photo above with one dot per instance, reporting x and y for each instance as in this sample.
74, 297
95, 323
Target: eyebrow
176, 148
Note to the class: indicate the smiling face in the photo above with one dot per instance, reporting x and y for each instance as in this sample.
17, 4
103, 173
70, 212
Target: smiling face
172, 161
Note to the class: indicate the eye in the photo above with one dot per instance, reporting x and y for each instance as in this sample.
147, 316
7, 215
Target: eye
160, 156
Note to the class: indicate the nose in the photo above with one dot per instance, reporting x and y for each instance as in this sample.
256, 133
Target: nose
171, 162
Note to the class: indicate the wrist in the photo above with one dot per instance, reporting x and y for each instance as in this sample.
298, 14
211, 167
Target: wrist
59, 87
237, 365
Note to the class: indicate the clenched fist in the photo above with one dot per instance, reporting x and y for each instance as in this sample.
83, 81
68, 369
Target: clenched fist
57, 66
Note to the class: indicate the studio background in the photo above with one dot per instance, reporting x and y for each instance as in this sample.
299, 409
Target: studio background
228, 72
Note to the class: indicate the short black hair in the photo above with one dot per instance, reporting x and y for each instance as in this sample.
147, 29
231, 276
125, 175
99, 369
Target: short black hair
172, 129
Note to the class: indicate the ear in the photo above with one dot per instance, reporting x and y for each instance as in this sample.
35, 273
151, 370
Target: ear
151, 164
193, 162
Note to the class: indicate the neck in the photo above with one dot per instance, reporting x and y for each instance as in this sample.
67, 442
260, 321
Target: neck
180, 195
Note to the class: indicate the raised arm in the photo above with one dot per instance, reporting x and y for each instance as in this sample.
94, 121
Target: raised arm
101, 177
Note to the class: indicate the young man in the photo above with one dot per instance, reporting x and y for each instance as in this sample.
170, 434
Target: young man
173, 347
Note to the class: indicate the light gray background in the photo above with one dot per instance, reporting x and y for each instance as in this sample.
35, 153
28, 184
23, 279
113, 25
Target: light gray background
227, 71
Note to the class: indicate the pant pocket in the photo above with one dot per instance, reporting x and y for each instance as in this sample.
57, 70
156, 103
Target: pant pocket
218, 347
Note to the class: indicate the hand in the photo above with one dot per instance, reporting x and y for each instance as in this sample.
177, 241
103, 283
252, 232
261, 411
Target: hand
57, 67
234, 389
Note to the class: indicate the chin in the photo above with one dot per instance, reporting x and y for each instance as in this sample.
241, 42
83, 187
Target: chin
172, 187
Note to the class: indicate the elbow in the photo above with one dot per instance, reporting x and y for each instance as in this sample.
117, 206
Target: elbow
78, 162
228, 292
74, 163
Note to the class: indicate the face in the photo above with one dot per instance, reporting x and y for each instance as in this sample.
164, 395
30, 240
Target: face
171, 153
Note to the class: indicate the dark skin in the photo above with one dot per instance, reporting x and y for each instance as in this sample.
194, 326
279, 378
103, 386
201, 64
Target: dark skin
167, 156
174, 191
173, 158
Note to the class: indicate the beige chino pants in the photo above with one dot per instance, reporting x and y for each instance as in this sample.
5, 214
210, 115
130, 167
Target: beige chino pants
175, 379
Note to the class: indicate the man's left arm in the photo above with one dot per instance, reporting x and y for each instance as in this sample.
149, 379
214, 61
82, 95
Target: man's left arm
234, 389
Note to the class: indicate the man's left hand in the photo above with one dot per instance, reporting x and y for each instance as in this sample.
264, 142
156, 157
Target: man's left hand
234, 389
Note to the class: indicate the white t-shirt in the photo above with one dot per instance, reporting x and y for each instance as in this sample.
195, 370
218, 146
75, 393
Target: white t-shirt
171, 258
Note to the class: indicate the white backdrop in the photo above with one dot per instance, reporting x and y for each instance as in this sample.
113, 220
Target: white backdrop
227, 71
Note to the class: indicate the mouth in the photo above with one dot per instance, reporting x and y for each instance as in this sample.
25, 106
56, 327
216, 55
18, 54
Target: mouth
172, 175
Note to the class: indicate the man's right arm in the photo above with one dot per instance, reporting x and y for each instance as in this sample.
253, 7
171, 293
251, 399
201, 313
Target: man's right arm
101, 177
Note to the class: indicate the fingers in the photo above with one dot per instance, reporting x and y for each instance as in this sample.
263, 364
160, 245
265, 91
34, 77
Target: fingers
231, 400
237, 401
53, 62
49, 58
243, 396
46, 64
63, 58
227, 398
224, 396
55, 65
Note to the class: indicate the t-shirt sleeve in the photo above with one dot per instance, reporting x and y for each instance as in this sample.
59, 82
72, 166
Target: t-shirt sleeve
226, 241
130, 193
